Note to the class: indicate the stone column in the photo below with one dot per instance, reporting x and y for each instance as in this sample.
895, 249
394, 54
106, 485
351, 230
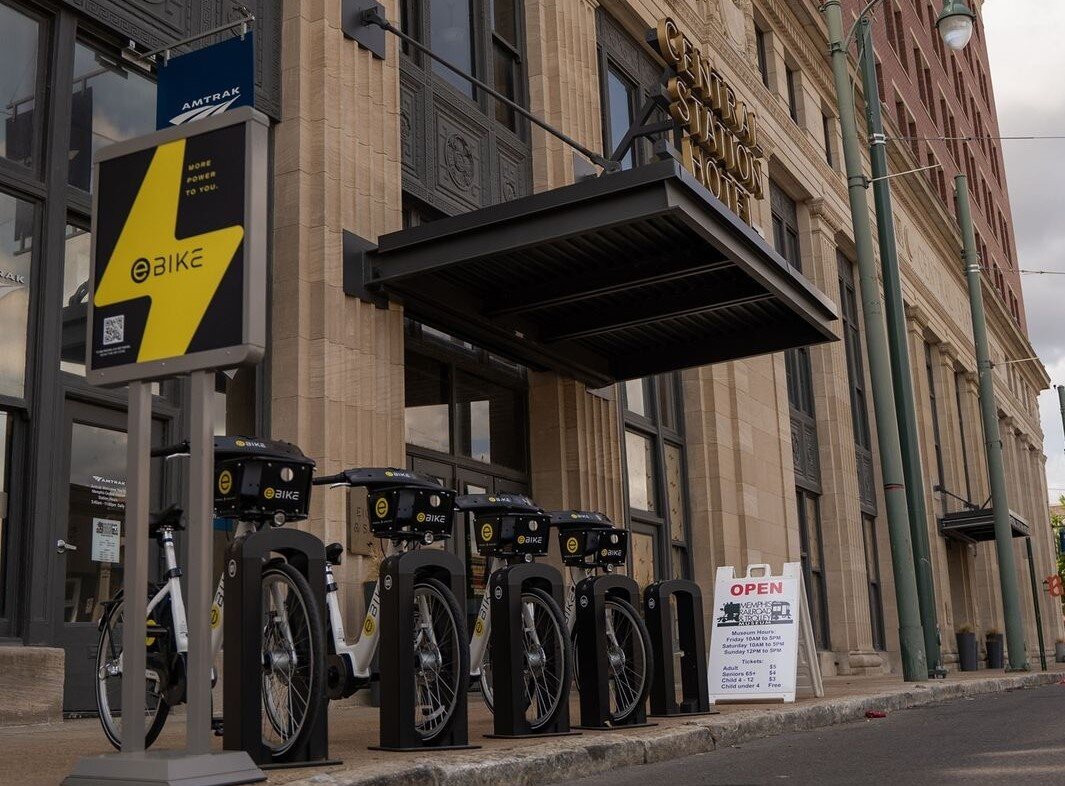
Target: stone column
336, 363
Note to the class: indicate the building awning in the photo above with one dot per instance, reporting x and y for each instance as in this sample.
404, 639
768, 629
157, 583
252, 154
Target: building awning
612, 278
974, 526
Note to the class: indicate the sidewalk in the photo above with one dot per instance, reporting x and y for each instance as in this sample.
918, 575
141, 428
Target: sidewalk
45, 754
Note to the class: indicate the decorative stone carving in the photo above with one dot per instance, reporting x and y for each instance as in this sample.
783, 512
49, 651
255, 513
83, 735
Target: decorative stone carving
458, 156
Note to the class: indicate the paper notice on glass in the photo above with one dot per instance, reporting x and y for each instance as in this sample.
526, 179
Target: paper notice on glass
106, 537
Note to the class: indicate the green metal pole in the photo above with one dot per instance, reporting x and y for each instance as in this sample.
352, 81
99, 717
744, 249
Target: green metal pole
911, 640
1061, 403
1007, 565
900, 358
1035, 603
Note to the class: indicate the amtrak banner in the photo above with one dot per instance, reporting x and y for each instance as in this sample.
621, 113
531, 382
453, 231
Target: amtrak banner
206, 82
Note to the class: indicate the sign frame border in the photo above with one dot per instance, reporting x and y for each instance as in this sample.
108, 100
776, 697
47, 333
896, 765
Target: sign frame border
256, 175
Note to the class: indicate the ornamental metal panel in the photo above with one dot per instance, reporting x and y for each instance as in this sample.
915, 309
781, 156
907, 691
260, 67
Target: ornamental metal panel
611, 278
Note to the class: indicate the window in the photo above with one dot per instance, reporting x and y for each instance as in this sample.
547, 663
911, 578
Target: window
933, 408
793, 93
19, 133
619, 112
451, 37
872, 572
506, 57
812, 560
655, 478
785, 226
828, 127
77, 253
17, 224
5, 487
763, 55
108, 104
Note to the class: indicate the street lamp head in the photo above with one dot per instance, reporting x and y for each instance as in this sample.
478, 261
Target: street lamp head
955, 24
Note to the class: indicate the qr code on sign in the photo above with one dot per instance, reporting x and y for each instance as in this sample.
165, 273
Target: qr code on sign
114, 330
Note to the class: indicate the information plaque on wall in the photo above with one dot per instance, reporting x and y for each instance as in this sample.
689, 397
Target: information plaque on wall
179, 251
759, 623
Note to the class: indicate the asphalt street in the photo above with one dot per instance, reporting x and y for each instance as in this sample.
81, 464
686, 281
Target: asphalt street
1017, 737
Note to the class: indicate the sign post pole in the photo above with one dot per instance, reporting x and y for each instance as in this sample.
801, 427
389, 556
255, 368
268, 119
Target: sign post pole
135, 566
201, 499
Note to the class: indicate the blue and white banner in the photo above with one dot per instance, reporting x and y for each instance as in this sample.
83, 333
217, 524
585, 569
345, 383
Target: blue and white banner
207, 82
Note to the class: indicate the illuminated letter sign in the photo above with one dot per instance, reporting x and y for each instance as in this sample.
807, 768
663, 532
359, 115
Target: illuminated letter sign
179, 251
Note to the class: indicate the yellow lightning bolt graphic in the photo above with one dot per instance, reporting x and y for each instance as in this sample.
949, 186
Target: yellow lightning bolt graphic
179, 298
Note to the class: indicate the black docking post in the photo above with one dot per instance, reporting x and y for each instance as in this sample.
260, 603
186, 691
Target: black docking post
658, 614
398, 575
508, 649
593, 666
242, 655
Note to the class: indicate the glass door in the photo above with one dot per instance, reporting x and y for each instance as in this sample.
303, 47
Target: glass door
89, 543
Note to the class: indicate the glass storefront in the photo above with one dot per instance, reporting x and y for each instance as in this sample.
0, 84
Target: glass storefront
17, 220
18, 79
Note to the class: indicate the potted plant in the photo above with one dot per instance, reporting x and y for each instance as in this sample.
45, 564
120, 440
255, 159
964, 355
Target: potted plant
1059, 651
993, 642
967, 655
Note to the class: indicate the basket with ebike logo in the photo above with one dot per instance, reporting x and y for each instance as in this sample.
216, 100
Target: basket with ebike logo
259, 480
590, 540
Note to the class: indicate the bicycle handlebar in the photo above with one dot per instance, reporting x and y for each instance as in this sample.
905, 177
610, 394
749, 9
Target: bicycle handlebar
327, 480
171, 450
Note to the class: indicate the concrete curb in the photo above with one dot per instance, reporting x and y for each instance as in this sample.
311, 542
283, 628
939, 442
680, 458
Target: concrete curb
591, 754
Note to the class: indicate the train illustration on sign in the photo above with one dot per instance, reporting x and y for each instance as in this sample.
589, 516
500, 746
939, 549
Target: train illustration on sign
756, 612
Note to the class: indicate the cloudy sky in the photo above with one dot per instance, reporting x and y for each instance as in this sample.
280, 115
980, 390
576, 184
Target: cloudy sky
1028, 69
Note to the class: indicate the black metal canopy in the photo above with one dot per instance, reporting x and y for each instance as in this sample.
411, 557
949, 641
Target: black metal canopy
611, 278
975, 526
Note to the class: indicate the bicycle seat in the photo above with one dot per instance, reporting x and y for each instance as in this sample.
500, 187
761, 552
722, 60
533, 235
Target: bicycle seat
381, 479
579, 519
496, 504
167, 517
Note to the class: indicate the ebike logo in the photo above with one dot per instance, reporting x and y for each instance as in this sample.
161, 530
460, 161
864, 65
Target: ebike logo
225, 481
286, 494
572, 545
478, 628
381, 507
615, 553
268, 492
521, 540
420, 518
369, 626
216, 616
487, 532
175, 261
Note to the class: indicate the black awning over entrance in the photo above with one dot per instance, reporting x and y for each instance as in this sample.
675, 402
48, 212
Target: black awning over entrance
611, 278
974, 526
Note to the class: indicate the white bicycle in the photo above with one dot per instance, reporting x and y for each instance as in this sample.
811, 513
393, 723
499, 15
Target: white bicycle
293, 675
588, 542
408, 511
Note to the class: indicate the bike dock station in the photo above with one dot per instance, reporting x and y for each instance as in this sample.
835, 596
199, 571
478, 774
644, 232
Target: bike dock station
590, 540
690, 633
398, 576
243, 653
513, 529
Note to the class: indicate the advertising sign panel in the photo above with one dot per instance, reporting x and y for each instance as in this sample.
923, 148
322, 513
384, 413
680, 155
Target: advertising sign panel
179, 251
758, 622
206, 82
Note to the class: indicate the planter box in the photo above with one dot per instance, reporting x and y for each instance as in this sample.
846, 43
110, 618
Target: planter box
967, 654
994, 650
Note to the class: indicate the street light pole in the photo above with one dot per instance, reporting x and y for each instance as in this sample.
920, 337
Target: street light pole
1007, 565
911, 641
900, 356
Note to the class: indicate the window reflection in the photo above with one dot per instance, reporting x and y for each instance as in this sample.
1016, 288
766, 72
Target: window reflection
108, 104
636, 396
427, 421
77, 258
620, 93
18, 80
490, 422
643, 558
5, 449
16, 252
640, 463
450, 36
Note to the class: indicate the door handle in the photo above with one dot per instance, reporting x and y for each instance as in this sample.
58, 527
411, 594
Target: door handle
61, 546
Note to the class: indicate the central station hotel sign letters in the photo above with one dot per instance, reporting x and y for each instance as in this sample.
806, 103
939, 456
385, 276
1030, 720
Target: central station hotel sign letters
720, 134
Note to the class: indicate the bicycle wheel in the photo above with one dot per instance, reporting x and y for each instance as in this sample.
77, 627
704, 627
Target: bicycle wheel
441, 658
109, 680
548, 661
293, 680
629, 659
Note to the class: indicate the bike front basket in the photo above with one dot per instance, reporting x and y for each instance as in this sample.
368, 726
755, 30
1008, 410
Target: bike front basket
412, 513
590, 540
260, 480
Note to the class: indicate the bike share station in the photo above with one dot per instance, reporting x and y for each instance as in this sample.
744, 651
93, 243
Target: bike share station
513, 529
